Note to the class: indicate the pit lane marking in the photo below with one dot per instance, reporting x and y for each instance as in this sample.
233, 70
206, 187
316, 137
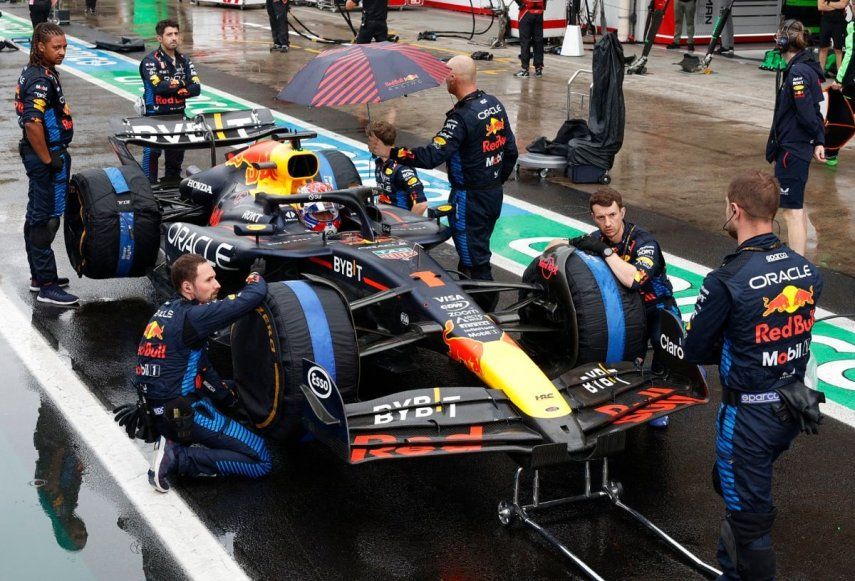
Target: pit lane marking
837, 410
193, 547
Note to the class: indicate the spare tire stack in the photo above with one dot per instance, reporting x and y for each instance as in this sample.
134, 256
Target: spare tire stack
112, 223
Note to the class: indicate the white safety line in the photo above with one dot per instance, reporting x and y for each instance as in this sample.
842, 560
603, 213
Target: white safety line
832, 409
182, 534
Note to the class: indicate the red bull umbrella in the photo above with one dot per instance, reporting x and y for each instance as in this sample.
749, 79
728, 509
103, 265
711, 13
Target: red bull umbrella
363, 74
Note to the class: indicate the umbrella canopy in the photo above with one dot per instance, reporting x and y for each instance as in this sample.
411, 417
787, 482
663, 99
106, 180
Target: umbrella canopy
364, 73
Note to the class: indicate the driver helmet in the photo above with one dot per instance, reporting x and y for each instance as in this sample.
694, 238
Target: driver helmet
319, 216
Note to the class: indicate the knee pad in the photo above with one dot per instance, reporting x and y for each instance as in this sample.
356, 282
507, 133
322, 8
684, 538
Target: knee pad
42, 235
750, 526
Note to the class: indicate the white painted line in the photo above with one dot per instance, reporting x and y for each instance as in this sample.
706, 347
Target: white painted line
177, 527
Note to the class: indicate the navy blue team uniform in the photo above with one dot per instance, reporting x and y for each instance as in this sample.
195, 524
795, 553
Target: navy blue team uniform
480, 151
797, 127
173, 371
166, 87
401, 184
640, 249
39, 99
754, 318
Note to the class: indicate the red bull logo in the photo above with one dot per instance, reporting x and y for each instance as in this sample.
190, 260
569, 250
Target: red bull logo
463, 349
258, 153
495, 125
548, 268
789, 300
153, 330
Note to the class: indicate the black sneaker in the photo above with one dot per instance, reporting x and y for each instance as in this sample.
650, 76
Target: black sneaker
283, 48
51, 293
538, 72
36, 286
522, 74
724, 51
275, 47
673, 46
162, 463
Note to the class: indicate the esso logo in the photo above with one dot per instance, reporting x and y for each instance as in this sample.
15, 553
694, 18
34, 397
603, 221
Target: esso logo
319, 382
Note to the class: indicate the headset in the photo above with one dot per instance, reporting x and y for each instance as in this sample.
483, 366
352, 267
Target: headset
782, 39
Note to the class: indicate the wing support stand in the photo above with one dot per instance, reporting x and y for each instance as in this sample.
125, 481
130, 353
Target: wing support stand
509, 511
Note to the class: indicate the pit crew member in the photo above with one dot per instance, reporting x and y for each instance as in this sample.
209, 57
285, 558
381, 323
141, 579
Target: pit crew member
184, 391
635, 258
401, 183
754, 317
373, 25
479, 148
169, 79
45, 118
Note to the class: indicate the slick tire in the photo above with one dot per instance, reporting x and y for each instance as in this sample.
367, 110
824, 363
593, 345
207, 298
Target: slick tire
337, 170
298, 320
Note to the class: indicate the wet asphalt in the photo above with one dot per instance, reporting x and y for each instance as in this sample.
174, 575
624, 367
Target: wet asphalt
316, 518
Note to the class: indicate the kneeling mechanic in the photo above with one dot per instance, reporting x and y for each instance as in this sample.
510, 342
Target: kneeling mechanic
184, 392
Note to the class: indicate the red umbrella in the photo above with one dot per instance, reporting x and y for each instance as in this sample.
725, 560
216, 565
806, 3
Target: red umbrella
364, 73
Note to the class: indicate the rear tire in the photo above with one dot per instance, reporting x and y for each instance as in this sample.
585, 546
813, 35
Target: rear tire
297, 320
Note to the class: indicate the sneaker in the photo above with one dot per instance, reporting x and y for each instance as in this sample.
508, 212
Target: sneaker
673, 46
538, 72
691, 47
283, 48
53, 294
728, 52
661, 422
162, 463
36, 286
522, 74
831, 161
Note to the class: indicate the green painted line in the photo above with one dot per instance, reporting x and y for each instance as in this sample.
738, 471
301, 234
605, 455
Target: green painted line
521, 232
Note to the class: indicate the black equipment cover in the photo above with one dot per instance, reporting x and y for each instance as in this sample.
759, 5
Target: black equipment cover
839, 121
108, 233
597, 142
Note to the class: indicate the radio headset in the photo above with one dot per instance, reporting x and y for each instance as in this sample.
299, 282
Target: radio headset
782, 40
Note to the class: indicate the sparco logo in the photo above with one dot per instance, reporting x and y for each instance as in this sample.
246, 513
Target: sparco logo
670, 347
202, 187
319, 382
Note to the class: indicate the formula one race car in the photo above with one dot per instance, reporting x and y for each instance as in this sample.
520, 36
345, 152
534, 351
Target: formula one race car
557, 375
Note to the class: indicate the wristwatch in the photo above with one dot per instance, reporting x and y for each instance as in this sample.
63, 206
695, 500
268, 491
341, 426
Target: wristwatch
608, 252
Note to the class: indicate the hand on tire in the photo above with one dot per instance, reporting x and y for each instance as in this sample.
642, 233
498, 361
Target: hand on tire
591, 245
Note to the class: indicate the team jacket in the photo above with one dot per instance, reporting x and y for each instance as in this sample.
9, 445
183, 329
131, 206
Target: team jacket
846, 72
476, 143
401, 183
754, 316
530, 7
797, 126
39, 98
638, 248
172, 359
167, 86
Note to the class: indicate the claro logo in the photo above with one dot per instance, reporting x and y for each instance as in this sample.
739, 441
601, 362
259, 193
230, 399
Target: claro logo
670, 347
183, 239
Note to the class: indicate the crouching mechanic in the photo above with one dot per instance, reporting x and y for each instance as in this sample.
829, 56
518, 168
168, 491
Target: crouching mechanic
478, 146
636, 260
754, 318
184, 391
400, 182
169, 79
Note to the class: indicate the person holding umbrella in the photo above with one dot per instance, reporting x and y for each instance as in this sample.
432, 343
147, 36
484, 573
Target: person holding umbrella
373, 25
478, 146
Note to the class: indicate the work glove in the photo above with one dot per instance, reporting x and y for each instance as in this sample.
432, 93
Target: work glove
56, 161
588, 244
134, 418
256, 270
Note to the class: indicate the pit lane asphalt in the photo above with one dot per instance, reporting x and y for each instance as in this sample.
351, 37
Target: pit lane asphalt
436, 518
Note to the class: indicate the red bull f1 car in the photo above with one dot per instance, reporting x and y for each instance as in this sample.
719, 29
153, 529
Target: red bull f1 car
545, 386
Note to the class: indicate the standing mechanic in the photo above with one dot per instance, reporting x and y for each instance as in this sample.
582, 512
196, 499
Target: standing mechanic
479, 148
182, 388
169, 78
754, 317
635, 258
45, 118
531, 33
400, 182
373, 25
40, 10
277, 12
798, 131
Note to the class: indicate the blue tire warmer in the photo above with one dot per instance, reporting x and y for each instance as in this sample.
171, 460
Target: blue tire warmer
112, 223
298, 320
